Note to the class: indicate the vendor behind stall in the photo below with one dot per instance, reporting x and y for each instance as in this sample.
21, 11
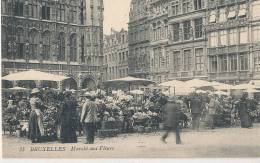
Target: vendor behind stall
36, 129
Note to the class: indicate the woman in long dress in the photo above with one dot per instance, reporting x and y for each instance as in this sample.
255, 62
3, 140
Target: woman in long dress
67, 120
36, 129
243, 112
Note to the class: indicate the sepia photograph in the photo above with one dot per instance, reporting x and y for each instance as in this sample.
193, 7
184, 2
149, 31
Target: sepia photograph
130, 79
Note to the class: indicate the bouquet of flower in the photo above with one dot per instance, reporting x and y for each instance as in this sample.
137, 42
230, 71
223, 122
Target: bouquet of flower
49, 120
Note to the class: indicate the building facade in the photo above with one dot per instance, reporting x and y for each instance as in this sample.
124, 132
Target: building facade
116, 55
139, 39
187, 46
205, 39
234, 39
58, 36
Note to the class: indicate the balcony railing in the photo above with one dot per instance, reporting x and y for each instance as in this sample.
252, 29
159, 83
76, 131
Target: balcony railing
231, 23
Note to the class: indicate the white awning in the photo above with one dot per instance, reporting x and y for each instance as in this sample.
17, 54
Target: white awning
242, 12
34, 75
212, 18
232, 14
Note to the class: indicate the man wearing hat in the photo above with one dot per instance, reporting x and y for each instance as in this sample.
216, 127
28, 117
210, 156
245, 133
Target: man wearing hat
36, 130
196, 110
172, 117
89, 117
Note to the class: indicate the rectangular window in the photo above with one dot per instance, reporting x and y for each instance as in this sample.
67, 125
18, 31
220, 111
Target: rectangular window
256, 55
167, 58
255, 10
223, 38
198, 4
45, 11
33, 10
212, 17
18, 10
243, 61
177, 61
198, 28
233, 62
223, 63
61, 12
243, 35
187, 30
187, 60
233, 35
213, 39
199, 59
73, 14
186, 6
222, 15
213, 64
175, 8
176, 32
256, 34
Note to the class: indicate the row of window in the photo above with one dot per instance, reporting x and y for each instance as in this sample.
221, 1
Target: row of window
140, 35
224, 14
113, 41
185, 6
43, 11
181, 60
39, 47
116, 72
233, 36
187, 31
122, 57
231, 62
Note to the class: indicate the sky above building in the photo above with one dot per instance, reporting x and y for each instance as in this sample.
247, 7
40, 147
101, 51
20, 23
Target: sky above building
116, 15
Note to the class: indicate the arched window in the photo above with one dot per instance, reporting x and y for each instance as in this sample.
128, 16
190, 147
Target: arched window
61, 56
20, 43
82, 43
73, 48
46, 45
34, 40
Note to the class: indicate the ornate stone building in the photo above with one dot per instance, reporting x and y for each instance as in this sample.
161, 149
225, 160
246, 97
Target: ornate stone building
233, 40
175, 45
187, 46
116, 55
138, 29
206, 39
57, 36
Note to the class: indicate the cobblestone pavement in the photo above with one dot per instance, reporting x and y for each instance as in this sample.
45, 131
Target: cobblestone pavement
224, 142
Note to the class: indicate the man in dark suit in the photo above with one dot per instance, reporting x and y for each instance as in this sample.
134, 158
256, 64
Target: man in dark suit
196, 110
172, 117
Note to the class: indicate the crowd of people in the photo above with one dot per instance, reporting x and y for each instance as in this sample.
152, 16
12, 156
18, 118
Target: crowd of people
65, 115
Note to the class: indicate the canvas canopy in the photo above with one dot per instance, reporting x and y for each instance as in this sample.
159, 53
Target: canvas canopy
34, 75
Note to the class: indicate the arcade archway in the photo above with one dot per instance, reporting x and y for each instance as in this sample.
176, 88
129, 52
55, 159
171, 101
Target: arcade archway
89, 84
70, 84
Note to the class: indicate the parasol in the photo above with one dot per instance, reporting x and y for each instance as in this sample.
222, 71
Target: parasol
34, 75
223, 86
197, 83
127, 82
177, 87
